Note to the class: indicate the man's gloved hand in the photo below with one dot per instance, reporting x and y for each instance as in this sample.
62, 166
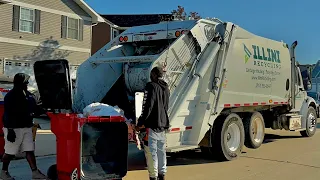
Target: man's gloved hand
11, 135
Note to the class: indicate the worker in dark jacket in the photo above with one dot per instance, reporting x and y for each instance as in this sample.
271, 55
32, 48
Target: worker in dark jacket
19, 107
155, 120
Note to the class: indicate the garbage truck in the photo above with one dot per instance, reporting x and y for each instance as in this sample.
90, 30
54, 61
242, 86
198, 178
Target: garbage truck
226, 84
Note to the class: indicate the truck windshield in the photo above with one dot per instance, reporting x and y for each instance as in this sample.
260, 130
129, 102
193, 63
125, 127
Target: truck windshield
304, 72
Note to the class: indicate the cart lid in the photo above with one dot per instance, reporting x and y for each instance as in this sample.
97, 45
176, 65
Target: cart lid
54, 83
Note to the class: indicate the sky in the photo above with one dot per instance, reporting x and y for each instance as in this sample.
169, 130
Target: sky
286, 20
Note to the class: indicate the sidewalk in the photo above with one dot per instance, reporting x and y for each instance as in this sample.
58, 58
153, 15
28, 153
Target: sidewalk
45, 152
20, 170
45, 140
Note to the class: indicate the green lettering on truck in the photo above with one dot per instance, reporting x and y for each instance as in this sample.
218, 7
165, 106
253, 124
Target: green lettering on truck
267, 55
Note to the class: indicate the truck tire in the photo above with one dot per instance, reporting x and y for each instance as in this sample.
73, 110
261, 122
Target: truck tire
228, 138
254, 129
311, 125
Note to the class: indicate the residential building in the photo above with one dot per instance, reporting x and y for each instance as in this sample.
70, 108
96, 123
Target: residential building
115, 24
34, 30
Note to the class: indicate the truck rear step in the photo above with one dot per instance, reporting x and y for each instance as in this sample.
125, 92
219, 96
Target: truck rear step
181, 148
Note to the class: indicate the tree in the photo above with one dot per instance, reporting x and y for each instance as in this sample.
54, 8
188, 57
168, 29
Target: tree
180, 14
195, 15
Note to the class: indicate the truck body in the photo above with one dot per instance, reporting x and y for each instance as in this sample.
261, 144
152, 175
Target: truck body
226, 84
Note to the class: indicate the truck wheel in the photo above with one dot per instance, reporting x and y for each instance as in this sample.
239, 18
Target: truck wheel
228, 138
52, 172
254, 130
311, 125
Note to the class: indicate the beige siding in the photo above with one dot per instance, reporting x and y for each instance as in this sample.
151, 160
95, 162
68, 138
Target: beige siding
62, 5
50, 26
25, 52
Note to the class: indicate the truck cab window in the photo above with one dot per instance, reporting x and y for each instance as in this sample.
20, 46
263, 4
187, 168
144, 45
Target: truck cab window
298, 80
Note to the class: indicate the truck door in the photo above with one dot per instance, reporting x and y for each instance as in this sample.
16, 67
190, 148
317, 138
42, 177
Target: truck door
300, 93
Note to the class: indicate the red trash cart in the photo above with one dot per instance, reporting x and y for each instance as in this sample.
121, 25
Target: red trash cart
87, 148
5, 85
1, 127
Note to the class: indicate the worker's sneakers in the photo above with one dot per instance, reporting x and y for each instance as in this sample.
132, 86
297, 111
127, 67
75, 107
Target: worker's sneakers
37, 175
5, 175
161, 177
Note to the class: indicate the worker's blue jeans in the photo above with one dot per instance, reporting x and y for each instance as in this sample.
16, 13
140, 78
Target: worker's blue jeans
155, 153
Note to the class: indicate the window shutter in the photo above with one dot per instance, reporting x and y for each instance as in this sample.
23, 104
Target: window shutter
15, 18
37, 21
81, 30
64, 27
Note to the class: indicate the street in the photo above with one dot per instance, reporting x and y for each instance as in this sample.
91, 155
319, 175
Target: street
284, 155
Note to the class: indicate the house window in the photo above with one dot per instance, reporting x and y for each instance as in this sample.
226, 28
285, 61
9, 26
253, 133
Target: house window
73, 28
17, 64
26, 21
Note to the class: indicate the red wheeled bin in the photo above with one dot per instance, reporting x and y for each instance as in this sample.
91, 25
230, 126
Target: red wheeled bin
1, 130
87, 148
3, 92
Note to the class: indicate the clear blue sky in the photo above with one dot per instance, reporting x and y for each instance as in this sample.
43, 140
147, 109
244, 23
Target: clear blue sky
286, 20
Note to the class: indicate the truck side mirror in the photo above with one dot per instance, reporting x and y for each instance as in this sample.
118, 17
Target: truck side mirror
307, 84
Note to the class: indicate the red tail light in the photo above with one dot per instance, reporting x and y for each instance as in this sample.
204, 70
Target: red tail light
125, 38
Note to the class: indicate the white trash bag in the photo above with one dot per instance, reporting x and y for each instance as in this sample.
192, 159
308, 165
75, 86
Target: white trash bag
99, 109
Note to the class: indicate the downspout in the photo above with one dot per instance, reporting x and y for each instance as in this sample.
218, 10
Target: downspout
92, 25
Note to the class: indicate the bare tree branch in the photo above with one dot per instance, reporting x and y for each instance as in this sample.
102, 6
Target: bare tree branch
180, 14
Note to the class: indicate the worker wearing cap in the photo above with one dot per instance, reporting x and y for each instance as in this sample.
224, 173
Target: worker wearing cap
19, 106
155, 120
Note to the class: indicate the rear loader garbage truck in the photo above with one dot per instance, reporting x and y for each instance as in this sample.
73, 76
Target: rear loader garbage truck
226, 84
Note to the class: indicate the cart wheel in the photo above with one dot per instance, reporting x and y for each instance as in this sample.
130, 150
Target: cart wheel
74, 175
52, 172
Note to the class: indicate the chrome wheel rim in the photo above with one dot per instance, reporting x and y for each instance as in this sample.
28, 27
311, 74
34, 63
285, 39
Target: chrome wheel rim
257, 129
232, 137
312, 122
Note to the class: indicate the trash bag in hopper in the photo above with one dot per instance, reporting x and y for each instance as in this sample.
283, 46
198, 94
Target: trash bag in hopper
99, 109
